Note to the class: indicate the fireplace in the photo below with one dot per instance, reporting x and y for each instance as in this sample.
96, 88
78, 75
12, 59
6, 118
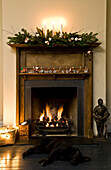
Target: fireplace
65, 94
56, 76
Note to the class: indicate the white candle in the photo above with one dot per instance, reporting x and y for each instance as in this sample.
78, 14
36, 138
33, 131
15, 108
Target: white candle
61, 30
45, 31
53, 30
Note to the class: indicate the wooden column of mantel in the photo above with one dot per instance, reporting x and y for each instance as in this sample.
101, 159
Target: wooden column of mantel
25, 52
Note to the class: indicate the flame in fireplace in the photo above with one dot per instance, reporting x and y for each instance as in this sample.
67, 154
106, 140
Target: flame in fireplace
60, 110
49, 115
42, 115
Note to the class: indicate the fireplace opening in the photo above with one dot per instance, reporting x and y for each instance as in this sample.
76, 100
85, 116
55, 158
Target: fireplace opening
55, 107
54, 110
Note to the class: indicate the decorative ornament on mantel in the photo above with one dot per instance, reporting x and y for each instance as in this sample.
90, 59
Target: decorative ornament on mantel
51, 39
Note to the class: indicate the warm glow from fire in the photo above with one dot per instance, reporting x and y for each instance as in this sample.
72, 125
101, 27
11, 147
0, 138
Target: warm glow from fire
60, 110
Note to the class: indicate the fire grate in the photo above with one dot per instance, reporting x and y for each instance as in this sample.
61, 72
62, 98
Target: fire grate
62, 126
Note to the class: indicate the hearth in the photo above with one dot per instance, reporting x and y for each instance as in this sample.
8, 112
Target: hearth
43, 89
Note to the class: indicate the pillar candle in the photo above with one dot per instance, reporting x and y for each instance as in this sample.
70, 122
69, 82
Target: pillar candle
61, 30
53, 30
45, 31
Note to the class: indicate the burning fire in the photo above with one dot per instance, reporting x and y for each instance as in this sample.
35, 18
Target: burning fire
42, 115
49, 115
60, 110
52, 117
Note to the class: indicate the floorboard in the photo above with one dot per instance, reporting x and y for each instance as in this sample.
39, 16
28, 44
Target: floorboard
11, 158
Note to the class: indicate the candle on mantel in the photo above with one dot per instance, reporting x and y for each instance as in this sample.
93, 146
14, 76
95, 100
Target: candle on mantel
52, 29
61, 30
45, 31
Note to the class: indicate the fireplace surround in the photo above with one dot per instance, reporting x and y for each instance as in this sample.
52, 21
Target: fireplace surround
69, 93
31, 86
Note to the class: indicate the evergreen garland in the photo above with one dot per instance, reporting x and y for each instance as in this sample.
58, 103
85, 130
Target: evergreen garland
67, 39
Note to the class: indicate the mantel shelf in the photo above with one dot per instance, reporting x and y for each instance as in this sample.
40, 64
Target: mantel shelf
46, 74
90, 46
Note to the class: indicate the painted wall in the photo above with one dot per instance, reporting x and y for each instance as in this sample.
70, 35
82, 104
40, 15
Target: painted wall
79, 14
1, 68
108, 64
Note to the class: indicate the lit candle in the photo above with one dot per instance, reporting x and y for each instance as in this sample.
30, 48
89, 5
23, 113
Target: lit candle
61, 30
45, 31
53, 30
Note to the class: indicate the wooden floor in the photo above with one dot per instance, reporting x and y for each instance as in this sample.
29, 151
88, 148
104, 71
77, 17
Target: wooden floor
11, 158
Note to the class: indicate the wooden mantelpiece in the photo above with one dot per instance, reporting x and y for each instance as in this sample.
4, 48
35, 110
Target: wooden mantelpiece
94, 45
54, 76
54, 57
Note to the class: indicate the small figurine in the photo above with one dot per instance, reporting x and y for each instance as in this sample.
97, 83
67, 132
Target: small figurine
66, 70
70, 70
36, 69
54, 70
23, 70
50, 70
73, 70
85, 70
46, 70
100, 115
41, 70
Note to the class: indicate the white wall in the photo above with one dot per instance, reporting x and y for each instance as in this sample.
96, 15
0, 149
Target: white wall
89, 15
108, 64
1, 68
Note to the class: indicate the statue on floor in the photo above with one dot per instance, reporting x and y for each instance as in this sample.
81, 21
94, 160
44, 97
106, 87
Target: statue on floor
100, 115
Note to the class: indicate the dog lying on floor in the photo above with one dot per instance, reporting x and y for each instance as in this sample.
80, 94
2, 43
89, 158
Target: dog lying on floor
57, 150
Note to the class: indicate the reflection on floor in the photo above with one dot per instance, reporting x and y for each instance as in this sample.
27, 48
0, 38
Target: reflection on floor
11, 158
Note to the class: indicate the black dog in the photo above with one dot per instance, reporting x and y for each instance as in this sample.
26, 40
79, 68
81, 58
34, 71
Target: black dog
57, 150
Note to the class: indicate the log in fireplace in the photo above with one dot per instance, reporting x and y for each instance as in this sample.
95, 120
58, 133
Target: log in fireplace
52, 78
